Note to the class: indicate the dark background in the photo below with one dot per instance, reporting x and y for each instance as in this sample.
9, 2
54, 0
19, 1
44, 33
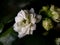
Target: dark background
9, 9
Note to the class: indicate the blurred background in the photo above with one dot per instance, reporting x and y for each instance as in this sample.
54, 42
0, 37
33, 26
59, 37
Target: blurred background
10, 8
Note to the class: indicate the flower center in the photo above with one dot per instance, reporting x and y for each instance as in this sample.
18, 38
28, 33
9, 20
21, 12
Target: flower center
24, 21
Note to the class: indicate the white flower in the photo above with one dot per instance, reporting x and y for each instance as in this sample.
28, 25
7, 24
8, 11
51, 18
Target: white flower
25, 23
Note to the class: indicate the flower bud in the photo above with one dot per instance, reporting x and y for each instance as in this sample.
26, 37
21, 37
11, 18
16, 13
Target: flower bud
55, 14
47, 24
57, 40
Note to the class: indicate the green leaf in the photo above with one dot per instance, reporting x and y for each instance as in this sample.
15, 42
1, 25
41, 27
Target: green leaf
8, 15
1, 27
7, 18
7, 37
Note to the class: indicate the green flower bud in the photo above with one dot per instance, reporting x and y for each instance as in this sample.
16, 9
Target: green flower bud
44, 8
55, 13
47, 24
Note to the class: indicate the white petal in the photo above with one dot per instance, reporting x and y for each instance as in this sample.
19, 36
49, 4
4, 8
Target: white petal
22, 14
20, 35
33, 27
18, 19
33, 20
39, 17
16, 28
27, 26
23, 29
28, 29
32, 10
31, 32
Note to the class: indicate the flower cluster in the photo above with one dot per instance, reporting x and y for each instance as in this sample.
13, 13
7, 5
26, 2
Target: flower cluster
50, 14
25, 21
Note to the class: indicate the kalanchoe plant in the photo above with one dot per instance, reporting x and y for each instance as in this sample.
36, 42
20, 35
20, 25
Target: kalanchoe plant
52, 12
25, 22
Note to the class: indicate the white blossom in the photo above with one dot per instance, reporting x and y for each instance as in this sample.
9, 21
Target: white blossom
25, 22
